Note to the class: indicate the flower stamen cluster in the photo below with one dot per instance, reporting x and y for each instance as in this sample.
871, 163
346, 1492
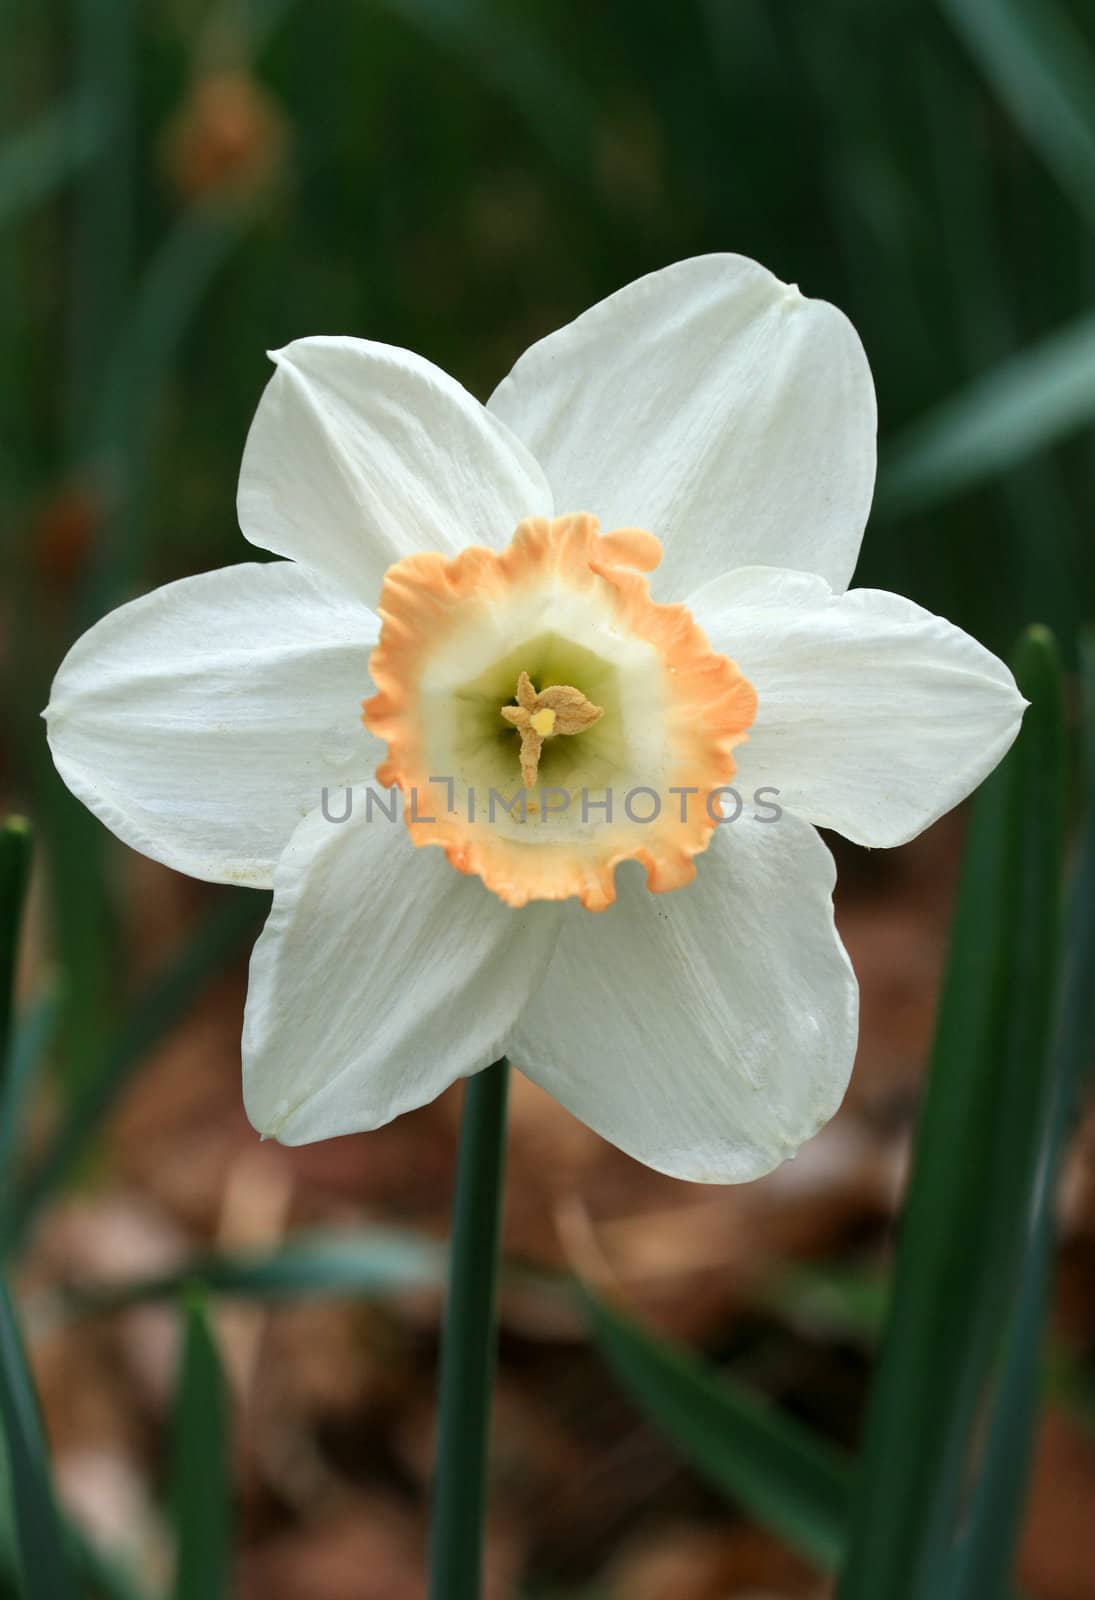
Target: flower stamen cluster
544, 715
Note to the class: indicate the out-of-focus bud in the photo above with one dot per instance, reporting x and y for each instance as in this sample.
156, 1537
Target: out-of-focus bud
227, 140
63, 533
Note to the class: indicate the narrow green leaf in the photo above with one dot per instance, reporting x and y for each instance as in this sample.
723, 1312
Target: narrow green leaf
100, 233
791, 1480
202, 1468
37, 160
168, 297
31, 1039
1023, 406
976, 1158
43, 1561
15, 850
100, 1574
996, 1515
16, 1044
362, 1264
1043, 70
223, 934
9, 1546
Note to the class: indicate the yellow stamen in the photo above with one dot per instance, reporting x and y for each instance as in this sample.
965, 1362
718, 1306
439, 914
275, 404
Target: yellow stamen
540, 716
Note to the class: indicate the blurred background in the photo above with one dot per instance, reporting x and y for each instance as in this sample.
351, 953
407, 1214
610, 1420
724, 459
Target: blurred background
185, 184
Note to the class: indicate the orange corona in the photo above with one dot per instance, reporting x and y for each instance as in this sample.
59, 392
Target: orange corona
564, 612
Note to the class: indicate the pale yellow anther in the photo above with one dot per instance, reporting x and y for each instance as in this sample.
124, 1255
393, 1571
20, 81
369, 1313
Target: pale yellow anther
540, 716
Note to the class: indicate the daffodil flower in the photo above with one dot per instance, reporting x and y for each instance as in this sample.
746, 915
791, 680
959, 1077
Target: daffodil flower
625, 575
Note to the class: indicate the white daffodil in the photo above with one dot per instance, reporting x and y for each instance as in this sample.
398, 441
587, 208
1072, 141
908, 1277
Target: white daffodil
477, 576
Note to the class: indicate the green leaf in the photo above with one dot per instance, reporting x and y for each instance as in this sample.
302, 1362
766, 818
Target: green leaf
1042, 69
42, 1558
169, 996
996, 1515
15, 851
1023, 406
9, 1546
975, 1164
31, 1039
104, 1577
202, 1468
367, 1264
37, 160
170, 294
788, 1478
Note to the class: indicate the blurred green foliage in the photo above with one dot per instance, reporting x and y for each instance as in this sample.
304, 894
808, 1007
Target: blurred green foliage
202, 1493
460, 176
185, 184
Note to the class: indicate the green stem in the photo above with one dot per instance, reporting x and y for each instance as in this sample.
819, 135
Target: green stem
470, 1339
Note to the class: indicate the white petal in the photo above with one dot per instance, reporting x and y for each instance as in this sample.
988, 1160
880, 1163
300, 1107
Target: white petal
708, 1032
382, 975
714, 406
874, 717
201, 722
361, 454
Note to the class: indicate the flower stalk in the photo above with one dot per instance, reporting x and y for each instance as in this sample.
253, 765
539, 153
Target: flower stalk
469, 1342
